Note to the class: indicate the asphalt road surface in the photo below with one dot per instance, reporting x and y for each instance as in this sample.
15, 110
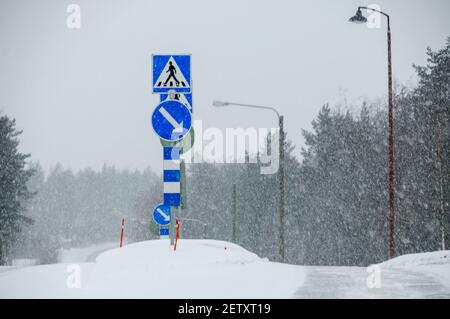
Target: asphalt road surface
351, 282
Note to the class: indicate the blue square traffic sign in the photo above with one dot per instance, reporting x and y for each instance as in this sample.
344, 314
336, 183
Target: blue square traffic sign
172, 73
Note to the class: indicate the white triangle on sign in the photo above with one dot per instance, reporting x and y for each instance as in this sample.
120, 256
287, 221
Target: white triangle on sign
182, 98
171, 76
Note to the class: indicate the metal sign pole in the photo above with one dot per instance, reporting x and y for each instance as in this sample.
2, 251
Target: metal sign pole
234, 217
178, 229
172, 226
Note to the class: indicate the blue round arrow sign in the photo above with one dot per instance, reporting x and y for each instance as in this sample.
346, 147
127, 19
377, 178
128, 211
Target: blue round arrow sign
161, 215
171, 120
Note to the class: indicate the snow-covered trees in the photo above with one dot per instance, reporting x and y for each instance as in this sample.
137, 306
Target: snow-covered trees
337, 196
432, 109
344, 172
14, 175
210, 201
86, 208
345, 189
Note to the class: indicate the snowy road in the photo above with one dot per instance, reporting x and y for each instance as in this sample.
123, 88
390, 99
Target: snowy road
217, 269
6, 268
351, 282
86, 254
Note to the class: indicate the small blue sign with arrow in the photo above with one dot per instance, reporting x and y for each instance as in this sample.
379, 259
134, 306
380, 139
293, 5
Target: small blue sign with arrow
171, 120
161, 215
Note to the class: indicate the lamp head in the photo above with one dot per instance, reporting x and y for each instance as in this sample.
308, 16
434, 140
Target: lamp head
358, 17
219, 103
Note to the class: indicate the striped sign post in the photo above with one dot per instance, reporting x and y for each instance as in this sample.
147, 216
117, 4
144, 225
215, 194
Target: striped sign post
172, 185
171, 176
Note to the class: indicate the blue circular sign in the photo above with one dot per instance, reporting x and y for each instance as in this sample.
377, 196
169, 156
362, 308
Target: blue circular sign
171, 120
161, 215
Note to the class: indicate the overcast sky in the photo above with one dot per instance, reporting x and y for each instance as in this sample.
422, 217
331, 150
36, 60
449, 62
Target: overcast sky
83, 96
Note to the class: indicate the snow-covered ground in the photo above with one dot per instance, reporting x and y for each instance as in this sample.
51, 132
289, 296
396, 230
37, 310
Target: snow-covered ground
217, 269
151, 269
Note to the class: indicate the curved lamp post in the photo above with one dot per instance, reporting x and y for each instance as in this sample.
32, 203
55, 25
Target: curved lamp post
280, 169
359, 18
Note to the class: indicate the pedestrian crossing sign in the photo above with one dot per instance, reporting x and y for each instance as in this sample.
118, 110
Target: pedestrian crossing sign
171, 73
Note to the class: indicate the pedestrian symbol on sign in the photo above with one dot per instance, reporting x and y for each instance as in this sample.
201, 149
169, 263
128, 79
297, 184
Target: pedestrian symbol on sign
172, 71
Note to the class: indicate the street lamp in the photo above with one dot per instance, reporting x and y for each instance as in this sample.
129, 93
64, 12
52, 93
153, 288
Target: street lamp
359, 18
280, 169
220, 103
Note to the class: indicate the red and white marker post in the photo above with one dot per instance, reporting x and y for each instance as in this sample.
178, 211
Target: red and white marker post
177, 232
121, 232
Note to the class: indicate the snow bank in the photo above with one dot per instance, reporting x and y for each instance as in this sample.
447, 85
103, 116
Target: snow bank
151, 269
421, 259
189, 252
198, 269
435, 264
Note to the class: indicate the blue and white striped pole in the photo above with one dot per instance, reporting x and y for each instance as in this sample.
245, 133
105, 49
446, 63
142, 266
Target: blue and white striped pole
171, 176
171, 180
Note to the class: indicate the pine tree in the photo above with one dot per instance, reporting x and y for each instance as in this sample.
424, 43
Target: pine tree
432, 109
14, 175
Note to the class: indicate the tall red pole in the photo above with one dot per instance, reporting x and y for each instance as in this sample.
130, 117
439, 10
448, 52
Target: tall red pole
391, 153
121, 232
